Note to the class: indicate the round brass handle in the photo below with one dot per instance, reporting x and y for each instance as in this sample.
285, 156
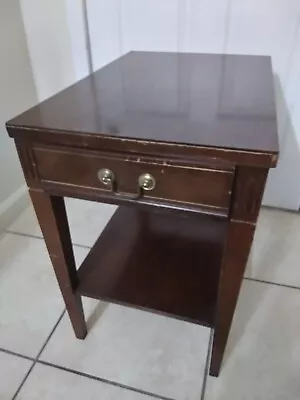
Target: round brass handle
146, 181
106, 176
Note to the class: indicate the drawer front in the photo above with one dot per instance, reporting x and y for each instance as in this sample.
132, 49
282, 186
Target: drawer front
206, 186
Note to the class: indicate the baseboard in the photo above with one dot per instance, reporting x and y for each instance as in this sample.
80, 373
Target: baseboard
13, 206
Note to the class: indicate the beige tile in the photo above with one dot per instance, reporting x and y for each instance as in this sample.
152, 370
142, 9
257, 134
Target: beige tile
276, 251
153, 353
30, 301
48, 383
26, 223
12, 371
262, 360
87, 219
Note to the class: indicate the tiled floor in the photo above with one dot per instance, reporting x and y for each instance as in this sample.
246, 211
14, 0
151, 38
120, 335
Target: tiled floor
134, 355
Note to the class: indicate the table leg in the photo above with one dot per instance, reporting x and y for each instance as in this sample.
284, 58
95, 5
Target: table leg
51, 214
235, 257
246, 201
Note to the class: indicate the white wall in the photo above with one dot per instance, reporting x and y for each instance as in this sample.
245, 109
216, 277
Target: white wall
42, 46
225, 26
55, 36
17, 92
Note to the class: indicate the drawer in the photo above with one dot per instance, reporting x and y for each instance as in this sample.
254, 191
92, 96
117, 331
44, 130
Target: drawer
133, 177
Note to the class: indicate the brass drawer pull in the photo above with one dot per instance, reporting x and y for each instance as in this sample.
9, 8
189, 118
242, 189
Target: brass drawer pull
106, 176
145, 182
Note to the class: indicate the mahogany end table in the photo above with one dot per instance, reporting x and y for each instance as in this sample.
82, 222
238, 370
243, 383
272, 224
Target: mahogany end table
183, 144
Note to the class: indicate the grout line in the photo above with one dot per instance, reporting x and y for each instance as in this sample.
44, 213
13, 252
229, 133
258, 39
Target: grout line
41, 238
38, 355
279, 209
103, 380
50, 334
23, 381
82, 246
272, 283
13, 353
36, 360
207, 365
23, 234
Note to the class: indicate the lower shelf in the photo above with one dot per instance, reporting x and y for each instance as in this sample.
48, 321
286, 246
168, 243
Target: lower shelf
162, 262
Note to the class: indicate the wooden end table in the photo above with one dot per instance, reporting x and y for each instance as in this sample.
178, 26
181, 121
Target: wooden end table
183, 144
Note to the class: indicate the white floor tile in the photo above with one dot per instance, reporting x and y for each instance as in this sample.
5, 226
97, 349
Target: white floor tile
48, 383
12, 371
87, 219
276, 252
262, 359
30, 300
153, 353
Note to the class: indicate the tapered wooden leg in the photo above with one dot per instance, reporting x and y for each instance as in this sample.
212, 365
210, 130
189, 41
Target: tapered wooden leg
52, 217
235, 257
247, 196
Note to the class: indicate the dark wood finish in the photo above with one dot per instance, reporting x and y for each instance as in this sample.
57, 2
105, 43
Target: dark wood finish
207, 100
52, 217
142, 265
205, 126
142, 203
142, 147
174, 181
235, 257
246, 201
248, 192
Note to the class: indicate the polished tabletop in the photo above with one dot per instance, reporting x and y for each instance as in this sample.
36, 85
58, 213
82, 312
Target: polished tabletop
208, 100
